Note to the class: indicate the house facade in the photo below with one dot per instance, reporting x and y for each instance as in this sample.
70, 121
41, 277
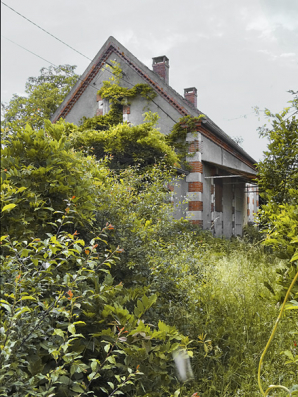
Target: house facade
218, 189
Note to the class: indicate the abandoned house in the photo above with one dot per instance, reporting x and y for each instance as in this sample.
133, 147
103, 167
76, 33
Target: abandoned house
218, 189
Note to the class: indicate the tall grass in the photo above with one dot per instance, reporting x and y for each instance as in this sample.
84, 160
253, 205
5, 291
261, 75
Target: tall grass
225, 293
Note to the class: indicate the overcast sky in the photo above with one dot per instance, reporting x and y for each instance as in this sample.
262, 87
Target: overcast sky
238, 54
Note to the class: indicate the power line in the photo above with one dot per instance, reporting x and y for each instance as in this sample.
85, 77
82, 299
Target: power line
89, 84
39, 27
31, 52
61, 41
26, 49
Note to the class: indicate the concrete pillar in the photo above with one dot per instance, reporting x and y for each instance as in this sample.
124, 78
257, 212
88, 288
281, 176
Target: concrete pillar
195, 179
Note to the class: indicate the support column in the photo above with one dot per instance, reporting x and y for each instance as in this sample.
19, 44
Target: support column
195, 180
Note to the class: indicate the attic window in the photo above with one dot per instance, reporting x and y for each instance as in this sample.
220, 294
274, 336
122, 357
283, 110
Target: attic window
126, 113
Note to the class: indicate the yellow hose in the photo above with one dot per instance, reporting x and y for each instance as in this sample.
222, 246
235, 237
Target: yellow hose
268, 344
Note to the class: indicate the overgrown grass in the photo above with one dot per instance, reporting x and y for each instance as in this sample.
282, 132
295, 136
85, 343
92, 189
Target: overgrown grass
225, 291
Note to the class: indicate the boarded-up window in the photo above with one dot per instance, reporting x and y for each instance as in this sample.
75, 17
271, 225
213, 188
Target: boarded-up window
218, 194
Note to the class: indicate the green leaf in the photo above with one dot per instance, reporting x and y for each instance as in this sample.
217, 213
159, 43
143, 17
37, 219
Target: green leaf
77, 388
8, 207
111, 385
72, 329
59, 332
27, 297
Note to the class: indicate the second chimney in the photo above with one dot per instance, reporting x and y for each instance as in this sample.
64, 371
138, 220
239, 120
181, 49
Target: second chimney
191, 95
161, 67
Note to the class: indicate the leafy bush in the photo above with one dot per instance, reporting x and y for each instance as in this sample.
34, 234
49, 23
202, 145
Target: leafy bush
66, 328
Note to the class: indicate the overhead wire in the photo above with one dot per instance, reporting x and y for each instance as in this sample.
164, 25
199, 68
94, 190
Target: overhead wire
39, 27
88, 84
56, 66
72, 48
61, 41
31, 52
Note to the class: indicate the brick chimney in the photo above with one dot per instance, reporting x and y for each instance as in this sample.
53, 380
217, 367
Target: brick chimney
191, 95
161, 67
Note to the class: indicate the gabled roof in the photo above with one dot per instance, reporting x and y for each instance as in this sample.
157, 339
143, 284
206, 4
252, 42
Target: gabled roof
183, 106
113, 46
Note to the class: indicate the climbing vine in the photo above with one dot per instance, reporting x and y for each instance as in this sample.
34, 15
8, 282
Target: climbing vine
177, 137
116, 94
118, 97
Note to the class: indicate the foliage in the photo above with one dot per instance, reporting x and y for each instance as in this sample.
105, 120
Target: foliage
44, 173
44, 94
39, 172
177, 137
278, 172
294, 388
99, 123
219, 293
85, 317
116, 94
278, 181
126, 145
66, 329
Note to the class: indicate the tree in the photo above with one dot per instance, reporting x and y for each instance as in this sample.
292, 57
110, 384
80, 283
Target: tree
278, 183
44, 95
39, 173
278, 172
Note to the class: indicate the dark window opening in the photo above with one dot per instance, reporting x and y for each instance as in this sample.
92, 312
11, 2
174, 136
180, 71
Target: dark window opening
218, 194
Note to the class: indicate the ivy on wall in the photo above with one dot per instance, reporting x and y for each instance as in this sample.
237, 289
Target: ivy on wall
118, 97
116, 94
177, 138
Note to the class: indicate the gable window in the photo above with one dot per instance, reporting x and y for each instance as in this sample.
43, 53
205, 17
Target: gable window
126, 113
